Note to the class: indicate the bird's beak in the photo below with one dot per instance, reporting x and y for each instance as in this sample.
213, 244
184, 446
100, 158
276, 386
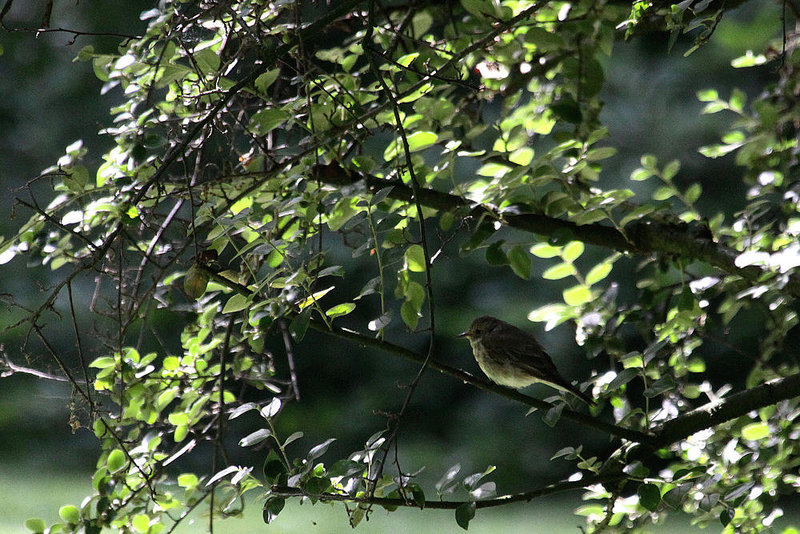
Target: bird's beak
463, 334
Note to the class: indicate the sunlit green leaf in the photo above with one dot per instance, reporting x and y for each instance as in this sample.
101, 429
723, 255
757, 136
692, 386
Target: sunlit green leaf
598, 273
421, 140
116, 461
69, 513
572, 251
577, 295
340, 309
755, 431
545, 250
557, 272
415, 258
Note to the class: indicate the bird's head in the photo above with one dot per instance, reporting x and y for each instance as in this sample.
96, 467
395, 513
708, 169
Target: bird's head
480, 327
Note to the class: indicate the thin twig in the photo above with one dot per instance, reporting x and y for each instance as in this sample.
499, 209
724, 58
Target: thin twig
287, 343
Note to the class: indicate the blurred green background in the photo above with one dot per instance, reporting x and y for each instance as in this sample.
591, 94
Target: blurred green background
48, 102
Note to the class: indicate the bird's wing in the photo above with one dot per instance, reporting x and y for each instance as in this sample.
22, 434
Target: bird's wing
523, 349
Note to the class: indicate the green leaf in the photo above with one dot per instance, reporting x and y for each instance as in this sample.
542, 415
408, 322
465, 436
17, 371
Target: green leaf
623, 377
649, 496
552, 415
421, 140
178, 418
207, 60
739, 491
522, 156
464, 514
577, 295
342, 212
567, 110
520, 262
264, 81
188, 480
572, 251
693, 193
340, 309
598, 273
568, 452
409, 312
255, 437
545, 250
264, 121
637, 213
407, 59
76, 178
69, 513
381, 195
478, 7
314, 297
671, 169
714, 107
447, 484
640, 174
365, 164
557, 272
755, 431
663, 193
116, 461
418, 495
320, 449
273, 468
543, 39
600, 153
725, 517
649, 161
103, 362
479, 235
299, 325
495, 254
415, 259
272, 507
237, 302
748, 60
660, 386
141, 523
35, 525
707, 95
590, 216
717, 151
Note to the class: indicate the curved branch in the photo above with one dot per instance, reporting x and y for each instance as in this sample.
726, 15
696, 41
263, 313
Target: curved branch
397, 350
641, 236
578, 417
527, 496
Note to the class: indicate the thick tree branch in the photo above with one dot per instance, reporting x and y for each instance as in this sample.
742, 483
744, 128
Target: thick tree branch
716, 413
641, 236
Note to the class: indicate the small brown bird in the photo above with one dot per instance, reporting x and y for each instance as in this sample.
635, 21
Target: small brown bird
512, 357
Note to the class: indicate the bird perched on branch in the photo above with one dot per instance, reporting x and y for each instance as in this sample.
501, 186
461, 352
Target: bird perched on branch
512, 357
